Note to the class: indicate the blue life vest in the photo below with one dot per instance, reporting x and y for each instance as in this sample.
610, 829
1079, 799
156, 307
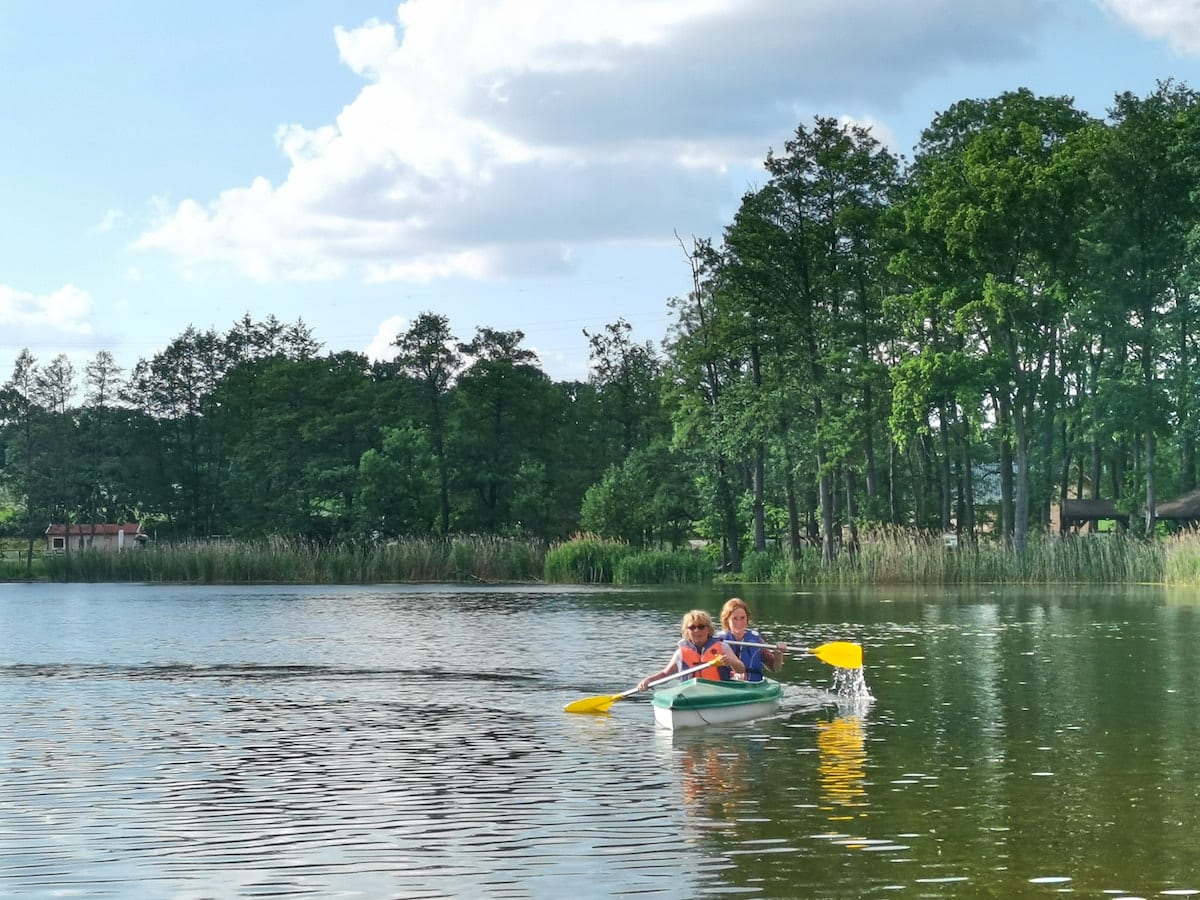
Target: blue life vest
751, 657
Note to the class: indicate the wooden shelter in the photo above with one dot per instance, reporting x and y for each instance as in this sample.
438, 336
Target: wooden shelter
1076, 513
1183, 510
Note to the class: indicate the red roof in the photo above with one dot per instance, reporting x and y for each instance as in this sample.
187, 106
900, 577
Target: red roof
130, 529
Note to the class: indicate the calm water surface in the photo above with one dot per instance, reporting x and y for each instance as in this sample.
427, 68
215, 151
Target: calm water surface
399, 741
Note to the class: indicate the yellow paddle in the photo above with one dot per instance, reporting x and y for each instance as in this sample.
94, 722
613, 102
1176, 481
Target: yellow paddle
602, 704
839, 654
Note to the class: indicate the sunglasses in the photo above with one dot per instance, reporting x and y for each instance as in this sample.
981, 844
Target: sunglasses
697, 627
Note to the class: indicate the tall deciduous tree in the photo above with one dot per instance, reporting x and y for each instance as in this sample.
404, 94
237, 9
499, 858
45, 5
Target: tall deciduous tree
397, 492
429, 354
1146, 172
628, 376
806, 269
646, 500
498, 397
99, 427
702, 361
61, 466
172, 389
991, 187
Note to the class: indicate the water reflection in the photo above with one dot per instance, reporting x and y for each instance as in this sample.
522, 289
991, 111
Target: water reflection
842, 754
713, 774
206, 743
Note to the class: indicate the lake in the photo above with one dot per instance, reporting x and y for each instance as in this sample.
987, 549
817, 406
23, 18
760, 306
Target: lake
409, 741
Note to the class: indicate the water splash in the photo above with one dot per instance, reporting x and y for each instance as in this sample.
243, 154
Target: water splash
851, 685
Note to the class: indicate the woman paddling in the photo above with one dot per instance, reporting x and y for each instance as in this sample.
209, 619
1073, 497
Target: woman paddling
696, 647
735, 626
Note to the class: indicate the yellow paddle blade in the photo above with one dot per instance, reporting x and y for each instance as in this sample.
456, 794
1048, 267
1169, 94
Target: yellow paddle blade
840, 654
592, 704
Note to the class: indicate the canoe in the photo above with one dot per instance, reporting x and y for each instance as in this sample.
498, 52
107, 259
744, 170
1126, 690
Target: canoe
700, 701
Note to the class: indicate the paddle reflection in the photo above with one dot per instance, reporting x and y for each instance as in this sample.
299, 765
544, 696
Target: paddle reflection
841, 746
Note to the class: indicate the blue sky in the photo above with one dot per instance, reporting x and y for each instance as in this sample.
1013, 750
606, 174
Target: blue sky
517, 164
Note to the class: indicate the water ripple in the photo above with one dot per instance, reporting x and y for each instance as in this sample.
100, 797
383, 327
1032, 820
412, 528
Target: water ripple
173, 780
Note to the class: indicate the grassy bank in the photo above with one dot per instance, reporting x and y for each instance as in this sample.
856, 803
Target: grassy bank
464, 559
911, 558
886, 558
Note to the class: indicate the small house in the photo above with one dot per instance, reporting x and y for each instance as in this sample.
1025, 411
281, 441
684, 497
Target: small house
95, 536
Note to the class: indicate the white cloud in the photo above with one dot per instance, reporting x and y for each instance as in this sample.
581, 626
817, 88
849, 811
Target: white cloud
65, 310
491, 137
110, 220
381, 347
48, 325
1176, 21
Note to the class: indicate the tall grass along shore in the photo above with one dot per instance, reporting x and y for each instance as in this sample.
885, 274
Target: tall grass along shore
889, 557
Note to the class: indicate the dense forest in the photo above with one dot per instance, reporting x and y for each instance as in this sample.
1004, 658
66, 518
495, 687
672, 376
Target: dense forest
946, 343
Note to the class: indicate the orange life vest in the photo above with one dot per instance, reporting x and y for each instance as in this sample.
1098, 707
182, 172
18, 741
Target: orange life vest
691, 655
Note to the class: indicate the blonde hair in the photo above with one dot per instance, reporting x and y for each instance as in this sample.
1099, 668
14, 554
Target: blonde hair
695, 617
731, 605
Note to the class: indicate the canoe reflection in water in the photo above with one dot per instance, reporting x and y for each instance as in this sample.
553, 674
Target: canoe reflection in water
841, 747
714, 777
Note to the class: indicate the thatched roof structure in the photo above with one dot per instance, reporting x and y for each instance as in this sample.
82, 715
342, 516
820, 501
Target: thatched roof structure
1182, 509
1080, 512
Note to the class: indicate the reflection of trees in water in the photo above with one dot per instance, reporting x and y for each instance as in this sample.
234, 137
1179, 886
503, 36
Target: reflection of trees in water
841, 747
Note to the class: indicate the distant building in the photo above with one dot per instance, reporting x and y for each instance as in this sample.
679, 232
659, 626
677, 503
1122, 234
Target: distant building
98, 536
1184, 510
1072, 514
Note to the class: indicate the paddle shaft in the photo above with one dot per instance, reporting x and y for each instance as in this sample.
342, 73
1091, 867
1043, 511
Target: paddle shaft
657, 681
602, 703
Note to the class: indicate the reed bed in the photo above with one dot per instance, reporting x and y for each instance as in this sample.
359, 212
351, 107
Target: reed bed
664, 567
280, 561
1182, 559
884, 557
585, 559
588, 559
898, 557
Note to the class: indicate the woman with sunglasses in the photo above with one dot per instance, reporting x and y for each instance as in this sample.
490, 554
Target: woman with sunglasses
698, 645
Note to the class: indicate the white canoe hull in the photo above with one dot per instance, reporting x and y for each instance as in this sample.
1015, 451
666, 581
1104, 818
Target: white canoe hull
697, 718
694, 704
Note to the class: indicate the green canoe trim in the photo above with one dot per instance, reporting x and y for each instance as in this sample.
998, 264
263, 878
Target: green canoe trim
702, 693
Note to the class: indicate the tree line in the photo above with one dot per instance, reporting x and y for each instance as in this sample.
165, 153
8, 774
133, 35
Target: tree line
947, 343
255, 432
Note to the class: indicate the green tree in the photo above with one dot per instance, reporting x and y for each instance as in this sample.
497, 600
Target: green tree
172, 389
704, 357
805, 270
1146, 172
396, 485
429, 354
295, 469
993, 185
100, 428
628, 378
646, 500
28, 445
499, 397
61, 468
